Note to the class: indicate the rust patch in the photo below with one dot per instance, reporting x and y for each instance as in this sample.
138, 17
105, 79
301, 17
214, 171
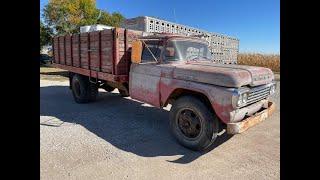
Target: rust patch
145, 96
239, 127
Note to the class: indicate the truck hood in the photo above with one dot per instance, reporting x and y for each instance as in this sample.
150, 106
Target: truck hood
226, 75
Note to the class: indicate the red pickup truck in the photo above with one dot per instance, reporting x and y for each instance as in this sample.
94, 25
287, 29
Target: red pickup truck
162, 69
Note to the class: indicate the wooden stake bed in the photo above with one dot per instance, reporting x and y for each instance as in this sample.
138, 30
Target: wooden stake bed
105, 55
94, 74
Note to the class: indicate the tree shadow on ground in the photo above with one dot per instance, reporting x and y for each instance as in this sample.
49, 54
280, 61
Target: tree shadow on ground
127, 124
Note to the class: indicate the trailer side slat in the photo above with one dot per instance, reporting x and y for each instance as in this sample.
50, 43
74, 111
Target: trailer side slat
61, 50
68, 50
64, 49
84, 50
99, 65
79, 50
104, 54
87, 51
71, 47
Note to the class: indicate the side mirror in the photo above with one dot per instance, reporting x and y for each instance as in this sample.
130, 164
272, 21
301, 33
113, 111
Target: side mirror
136, 51
169, 52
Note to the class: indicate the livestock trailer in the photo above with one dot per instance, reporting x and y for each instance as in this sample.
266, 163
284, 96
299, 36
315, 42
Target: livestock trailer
224, 49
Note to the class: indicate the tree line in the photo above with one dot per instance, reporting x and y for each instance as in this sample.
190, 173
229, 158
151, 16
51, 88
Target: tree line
61, 17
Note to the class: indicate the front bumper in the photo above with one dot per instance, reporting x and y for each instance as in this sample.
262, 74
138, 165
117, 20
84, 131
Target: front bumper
239, 127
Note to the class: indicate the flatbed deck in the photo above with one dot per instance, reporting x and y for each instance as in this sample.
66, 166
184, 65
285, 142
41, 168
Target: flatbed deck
94, 74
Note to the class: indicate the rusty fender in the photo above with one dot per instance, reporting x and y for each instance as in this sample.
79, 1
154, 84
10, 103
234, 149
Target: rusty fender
239, 127
219, 97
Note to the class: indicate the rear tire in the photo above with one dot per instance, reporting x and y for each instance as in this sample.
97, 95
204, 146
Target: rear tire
83, 90
193, 124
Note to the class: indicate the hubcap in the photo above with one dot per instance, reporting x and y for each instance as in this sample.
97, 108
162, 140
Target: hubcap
189, 123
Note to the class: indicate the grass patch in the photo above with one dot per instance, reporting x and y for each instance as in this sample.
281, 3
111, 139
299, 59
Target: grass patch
48, 72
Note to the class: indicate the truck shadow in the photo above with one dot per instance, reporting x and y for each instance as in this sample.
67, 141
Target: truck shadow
125, 123
60, 73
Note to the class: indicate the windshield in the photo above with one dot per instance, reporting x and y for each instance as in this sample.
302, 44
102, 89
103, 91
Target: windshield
187, 50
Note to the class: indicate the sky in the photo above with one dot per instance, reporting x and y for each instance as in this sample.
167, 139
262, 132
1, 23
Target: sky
256, 23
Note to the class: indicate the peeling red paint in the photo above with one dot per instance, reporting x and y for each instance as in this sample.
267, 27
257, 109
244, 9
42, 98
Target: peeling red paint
222, 111
216, 98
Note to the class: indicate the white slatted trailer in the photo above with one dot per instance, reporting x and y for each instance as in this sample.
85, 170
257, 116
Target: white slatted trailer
224, 48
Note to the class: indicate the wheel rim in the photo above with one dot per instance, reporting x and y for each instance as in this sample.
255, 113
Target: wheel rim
76, 86
189, 123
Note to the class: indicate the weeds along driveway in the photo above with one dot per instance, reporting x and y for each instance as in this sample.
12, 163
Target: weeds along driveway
123, 138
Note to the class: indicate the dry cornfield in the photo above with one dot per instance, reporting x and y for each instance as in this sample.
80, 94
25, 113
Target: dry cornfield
271, 61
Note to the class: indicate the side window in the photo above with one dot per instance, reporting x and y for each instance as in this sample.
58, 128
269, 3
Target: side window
155, 47
170, 53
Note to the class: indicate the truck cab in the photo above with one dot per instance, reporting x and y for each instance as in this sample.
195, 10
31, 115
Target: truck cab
178, 70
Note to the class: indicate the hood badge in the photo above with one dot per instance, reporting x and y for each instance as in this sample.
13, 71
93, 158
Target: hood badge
261, 77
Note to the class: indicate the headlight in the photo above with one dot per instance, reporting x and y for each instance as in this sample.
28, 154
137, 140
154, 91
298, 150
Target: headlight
244, 98
239, 102
240, 98
272, 89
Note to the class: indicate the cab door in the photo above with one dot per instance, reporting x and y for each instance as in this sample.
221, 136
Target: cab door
144, 78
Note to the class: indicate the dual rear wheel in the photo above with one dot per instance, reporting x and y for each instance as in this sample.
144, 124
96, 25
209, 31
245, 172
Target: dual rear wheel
82, 89
85, 91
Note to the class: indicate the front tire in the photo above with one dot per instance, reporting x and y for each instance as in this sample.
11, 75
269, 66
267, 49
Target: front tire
193, 124
83, 90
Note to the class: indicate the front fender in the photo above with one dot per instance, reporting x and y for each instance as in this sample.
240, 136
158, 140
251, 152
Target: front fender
219, 97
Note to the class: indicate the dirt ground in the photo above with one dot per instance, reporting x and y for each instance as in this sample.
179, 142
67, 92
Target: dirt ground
120, 138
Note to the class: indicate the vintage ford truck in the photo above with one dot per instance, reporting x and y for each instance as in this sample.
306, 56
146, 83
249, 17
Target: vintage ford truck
161, 69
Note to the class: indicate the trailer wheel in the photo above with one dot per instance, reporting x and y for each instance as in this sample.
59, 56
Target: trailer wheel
193, 124
83, 90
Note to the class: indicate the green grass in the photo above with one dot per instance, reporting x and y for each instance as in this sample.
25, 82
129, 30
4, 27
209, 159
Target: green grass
48, 72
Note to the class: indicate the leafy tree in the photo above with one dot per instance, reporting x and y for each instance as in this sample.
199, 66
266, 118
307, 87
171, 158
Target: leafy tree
45, 35
113, 19
66, 16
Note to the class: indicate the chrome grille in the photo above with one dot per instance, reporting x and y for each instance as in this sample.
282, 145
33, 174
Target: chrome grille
257, 94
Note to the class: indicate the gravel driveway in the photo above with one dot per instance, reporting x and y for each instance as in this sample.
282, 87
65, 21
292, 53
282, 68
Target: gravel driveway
121, 138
